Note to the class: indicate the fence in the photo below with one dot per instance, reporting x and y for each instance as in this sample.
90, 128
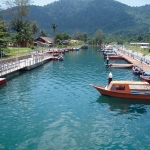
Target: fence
135, 56
12, 66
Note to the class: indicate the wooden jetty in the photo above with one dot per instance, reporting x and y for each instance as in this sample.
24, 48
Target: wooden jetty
131, 60
119, 65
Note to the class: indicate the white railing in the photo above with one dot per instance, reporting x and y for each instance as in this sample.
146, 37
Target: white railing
6, 68
135, 56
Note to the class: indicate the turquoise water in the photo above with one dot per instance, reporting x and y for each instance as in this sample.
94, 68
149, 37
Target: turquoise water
53, 107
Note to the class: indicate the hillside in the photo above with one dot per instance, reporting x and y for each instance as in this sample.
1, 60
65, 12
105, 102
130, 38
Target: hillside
90, 15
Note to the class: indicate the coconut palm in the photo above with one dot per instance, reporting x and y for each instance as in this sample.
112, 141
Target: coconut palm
54, 26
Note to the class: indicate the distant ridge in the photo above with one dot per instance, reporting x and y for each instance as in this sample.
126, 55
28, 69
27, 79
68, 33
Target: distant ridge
88, 16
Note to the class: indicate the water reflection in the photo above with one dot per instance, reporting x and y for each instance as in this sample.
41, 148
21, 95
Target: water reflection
125, 106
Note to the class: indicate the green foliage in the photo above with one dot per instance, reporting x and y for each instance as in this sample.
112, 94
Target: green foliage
4, 34
23, 34
34, 27
43, 33
79, 18
62, 36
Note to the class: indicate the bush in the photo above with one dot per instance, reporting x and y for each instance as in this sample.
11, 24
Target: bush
32, 47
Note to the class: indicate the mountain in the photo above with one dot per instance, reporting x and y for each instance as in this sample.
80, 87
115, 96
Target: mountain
88, 16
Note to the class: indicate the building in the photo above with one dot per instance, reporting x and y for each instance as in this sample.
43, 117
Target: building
43, 41
142, 45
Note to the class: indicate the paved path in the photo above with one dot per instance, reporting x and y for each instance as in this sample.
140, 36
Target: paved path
143, 66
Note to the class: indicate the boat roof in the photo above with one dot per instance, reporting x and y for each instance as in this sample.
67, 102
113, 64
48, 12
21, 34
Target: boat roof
129, 82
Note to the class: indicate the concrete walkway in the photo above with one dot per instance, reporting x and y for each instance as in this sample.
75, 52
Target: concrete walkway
27, 64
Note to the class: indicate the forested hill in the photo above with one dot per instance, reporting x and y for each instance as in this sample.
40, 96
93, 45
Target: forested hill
88, 16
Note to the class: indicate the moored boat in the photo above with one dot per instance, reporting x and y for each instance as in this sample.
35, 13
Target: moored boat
137, 70
60, 58
145, 78
115, 57
3, 81
125, 89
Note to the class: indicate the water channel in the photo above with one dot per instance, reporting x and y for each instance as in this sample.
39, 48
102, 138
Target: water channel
53, 107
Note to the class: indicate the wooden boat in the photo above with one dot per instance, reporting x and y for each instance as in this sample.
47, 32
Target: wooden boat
126, 89
2, 81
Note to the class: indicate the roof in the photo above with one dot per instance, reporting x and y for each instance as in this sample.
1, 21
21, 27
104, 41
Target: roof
128, 82
46, 39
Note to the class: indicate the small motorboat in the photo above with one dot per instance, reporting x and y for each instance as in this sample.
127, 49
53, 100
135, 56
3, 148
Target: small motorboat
125, 89
60, 58
137, 70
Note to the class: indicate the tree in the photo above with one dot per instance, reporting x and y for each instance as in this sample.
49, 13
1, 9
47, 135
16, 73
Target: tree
85, 37
54, 26
24, 35
34, 27
18, 8
99, 37
42, 33
4, 35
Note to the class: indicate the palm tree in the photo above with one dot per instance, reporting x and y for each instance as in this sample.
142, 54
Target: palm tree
54, 26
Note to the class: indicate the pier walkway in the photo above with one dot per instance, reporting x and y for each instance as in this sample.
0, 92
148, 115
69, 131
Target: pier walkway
131, 59
25, 64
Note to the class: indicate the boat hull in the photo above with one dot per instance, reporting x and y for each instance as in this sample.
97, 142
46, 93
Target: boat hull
115, 58
145, 78
2, 81
103, 91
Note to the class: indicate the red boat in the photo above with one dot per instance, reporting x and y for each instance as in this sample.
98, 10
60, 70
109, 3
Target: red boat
116, 57
54, 58
2, 81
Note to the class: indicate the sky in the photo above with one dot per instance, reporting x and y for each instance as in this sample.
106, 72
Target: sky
127, 2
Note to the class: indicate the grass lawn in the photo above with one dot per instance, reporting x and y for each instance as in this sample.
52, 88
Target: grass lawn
12, 52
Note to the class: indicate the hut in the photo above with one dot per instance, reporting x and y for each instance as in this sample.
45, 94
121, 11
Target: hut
43, 41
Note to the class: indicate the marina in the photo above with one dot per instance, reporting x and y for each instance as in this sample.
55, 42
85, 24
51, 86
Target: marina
54, 107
